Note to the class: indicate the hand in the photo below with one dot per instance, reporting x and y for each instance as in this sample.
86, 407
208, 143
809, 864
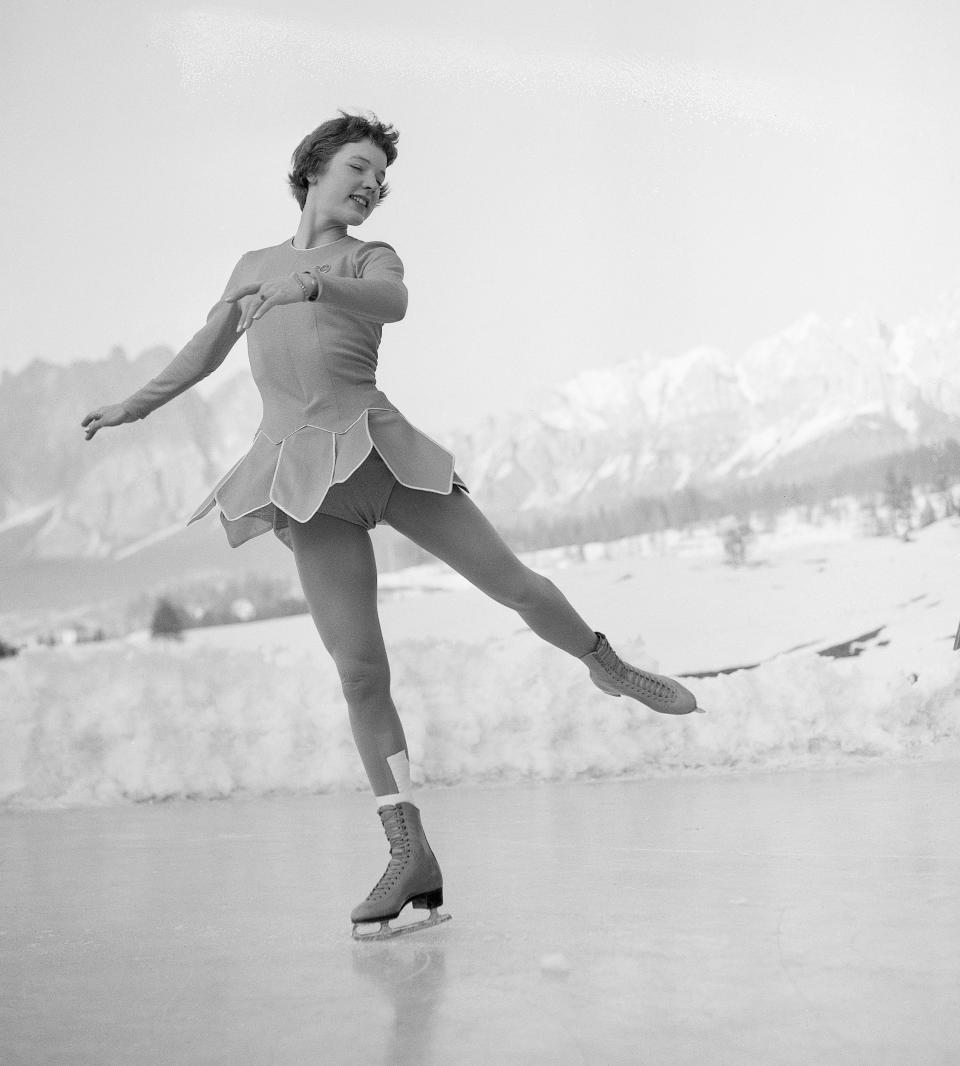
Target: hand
114, 414
268, 294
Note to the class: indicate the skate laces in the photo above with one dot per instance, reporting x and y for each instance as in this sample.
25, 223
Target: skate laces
399, 850
649, 684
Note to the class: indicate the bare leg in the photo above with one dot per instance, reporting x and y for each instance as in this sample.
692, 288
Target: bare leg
455, 530
338, 573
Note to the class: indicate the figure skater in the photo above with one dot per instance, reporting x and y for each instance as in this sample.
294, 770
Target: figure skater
333, 457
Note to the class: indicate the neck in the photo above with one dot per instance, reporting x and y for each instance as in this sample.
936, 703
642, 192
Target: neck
314, 230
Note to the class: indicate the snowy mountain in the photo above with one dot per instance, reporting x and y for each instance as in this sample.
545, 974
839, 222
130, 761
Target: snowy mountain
61, 496
795, 406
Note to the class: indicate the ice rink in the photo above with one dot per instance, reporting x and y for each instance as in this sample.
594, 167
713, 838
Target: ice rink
798, 917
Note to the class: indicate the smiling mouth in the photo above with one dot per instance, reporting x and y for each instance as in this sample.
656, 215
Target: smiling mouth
359, 200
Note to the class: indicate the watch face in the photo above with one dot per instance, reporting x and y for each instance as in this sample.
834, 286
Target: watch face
323, 269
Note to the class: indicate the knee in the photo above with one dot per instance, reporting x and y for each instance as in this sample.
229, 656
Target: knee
365, 684
530, 590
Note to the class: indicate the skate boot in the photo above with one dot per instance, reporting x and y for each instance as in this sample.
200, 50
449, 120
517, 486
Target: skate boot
412, 876
615, 677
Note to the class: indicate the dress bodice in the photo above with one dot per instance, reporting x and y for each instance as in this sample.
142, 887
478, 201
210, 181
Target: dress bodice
314, 364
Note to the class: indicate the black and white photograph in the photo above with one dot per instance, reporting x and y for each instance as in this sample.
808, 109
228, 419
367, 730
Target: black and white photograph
480, 533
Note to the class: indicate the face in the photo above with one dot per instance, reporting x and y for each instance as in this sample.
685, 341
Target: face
348, 190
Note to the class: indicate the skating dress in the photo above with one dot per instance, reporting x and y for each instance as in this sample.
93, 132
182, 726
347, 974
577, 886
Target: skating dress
314, 364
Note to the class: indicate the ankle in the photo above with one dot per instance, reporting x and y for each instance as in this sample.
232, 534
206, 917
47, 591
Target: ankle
394, 798
598, 639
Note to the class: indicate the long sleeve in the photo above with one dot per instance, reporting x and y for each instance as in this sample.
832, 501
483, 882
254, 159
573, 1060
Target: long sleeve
200, 356
377, 293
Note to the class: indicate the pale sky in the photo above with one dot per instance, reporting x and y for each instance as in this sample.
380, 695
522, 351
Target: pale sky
577, 183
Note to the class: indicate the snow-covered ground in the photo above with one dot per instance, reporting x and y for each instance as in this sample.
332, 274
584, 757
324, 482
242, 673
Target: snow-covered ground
257, 709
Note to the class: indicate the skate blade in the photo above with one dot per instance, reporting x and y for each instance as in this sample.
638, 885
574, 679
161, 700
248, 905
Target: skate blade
386, 932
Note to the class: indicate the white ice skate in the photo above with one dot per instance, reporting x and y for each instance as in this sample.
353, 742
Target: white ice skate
412, 876
615, 677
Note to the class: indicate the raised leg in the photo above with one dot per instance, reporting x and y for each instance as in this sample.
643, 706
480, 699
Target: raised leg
456, 531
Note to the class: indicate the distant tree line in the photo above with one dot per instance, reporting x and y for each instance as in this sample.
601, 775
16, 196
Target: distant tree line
888, 483
215, 601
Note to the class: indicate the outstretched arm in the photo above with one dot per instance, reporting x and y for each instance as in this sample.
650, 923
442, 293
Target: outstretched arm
202, 354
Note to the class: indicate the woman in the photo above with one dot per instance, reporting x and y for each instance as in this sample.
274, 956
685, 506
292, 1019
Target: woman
332, 457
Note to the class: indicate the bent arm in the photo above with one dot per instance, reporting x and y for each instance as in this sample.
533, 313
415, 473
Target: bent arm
378, 292
200, 356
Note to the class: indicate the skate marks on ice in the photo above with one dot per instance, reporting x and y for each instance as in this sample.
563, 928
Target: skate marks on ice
736, 913
410, 980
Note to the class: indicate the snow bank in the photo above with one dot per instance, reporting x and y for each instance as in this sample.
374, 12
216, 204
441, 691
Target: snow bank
119, 723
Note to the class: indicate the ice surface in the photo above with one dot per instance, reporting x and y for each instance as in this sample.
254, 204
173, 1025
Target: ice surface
777, 919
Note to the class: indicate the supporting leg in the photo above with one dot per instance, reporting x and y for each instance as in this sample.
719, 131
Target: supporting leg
338, 573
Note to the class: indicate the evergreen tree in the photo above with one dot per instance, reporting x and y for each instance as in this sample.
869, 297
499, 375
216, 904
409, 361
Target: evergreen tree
898, 498
945, 492
927, 514
167, 621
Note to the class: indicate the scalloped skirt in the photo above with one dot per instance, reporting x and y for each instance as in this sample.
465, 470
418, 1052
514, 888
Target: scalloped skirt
290, 478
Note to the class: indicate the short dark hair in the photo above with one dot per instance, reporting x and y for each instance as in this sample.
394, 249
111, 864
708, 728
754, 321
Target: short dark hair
314, 152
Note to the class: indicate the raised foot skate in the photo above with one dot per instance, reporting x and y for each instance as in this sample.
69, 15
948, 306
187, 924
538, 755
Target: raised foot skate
617, 678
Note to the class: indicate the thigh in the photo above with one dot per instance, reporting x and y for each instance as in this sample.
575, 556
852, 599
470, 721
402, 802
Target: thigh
452, 528
338, 573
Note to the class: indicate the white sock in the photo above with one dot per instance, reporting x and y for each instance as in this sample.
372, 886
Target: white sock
400, 768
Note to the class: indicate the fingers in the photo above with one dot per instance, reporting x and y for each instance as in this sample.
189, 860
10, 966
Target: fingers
242, 290
252, 307
266, 296
101, 417
257, 309
264, 306
247, 317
